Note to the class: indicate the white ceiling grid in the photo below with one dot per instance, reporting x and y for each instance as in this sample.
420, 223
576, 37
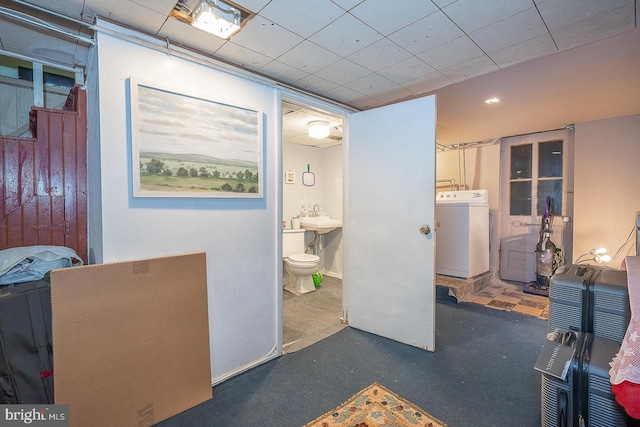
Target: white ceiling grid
363, 53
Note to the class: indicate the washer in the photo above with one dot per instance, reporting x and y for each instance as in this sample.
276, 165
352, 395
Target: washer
462, 233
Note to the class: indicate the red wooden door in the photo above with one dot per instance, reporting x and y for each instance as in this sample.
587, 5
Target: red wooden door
43, 196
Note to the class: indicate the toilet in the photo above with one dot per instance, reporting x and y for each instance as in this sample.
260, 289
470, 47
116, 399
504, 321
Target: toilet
299, 265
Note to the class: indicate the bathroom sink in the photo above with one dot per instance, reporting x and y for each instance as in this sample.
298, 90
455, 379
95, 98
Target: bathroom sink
321, 224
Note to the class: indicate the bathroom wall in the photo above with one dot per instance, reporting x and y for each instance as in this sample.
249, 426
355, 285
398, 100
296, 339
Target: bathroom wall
326, 164
297, 196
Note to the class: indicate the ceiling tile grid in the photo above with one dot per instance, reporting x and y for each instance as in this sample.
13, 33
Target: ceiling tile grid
363, 53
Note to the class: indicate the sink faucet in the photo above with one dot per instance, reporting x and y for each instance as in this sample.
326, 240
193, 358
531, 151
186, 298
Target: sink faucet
316, 210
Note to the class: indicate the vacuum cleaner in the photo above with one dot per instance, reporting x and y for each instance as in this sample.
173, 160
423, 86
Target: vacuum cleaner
548, 256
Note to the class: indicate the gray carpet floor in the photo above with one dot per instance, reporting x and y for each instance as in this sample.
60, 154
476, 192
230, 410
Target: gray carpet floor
481, 375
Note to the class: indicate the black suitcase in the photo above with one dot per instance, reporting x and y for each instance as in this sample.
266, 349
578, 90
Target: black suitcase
584, 398
26, 350
590, 299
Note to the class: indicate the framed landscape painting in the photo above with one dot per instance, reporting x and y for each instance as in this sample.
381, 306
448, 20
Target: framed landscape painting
185, 146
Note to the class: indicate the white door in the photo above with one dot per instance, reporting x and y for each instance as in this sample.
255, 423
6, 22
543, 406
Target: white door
390, 195
534, 167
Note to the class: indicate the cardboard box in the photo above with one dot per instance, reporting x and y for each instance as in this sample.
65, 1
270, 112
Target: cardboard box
131, 340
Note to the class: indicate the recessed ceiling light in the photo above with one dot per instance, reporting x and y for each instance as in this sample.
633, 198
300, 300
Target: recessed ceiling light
491, 101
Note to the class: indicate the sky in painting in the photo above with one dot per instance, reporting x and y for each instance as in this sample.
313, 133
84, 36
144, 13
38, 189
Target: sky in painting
173, 123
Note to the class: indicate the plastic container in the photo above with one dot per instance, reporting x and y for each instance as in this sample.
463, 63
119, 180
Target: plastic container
317, 278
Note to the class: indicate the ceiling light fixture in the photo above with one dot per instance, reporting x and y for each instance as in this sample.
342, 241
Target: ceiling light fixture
492, 101
217, 18
318, 129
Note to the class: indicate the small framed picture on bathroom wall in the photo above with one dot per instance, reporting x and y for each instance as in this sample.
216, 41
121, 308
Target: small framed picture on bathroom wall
289, 177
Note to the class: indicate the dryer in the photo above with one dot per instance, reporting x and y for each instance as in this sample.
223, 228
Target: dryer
462, 233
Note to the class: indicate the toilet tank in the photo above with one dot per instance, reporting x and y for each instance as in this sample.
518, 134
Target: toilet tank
292, 242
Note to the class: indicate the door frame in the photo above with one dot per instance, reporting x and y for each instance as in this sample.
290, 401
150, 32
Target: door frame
326, 107
566, 219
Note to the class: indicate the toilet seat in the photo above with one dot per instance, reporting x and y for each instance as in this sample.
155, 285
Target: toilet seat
303, 258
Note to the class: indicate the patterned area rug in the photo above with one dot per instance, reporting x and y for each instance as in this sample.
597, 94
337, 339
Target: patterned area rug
376, 406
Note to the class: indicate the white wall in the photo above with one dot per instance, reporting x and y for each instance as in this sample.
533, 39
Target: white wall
241, 237
333, 242
326, 164
295, 158
607, 185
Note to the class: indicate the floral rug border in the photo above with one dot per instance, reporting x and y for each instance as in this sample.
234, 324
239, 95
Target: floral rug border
376, 405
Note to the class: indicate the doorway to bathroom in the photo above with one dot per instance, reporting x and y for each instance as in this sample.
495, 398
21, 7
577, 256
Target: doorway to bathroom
397, 256
313, 186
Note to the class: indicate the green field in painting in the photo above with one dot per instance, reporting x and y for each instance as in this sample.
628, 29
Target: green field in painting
213, 173
153, 182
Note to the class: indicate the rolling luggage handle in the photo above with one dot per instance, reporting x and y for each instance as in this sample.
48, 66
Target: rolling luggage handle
587, 303
563, 409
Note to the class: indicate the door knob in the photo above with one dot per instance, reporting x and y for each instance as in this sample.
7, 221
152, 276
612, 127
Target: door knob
425, 229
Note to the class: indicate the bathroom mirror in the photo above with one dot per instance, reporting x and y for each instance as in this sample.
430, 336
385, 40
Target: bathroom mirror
308, 177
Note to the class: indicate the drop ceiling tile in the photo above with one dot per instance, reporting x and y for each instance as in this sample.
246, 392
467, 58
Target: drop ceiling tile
303, 17
254, 6
283, 72
313, 83
309, 57
428, 83
266, 37
392, 17
453, 52
509, 31
471, 68
523, 51
407, 70
185, 34
344, 94
392, 94
379, 55
471, 15
443, 3
427, 33
347, 4
136, 15
600, 26
242, 56
365, 103
343, 72
370, 84
560, 13
163, 7
345, 36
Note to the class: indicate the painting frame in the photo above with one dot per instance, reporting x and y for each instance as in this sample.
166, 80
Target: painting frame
189, 146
